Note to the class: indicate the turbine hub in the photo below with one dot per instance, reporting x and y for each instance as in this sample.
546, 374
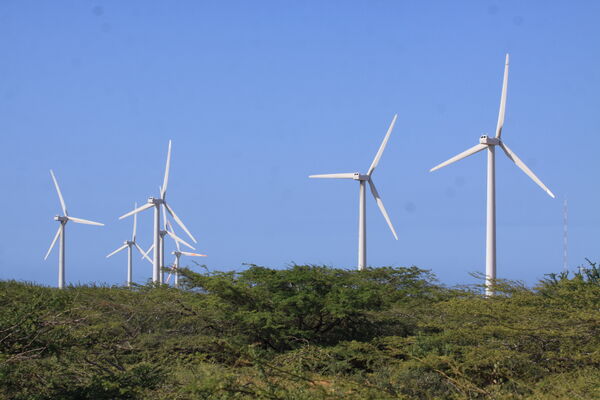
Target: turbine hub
155, 201
60, 218
484, 139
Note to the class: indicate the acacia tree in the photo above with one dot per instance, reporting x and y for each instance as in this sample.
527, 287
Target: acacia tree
283, 309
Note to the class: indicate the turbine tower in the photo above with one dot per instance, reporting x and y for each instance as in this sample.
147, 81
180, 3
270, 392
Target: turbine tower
63, 219
157, 203
490, 144
362, 212
565, 237
129, 244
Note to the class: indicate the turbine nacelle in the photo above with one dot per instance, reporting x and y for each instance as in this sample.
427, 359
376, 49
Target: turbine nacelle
154, 201
359, 177
61, 218
485, 139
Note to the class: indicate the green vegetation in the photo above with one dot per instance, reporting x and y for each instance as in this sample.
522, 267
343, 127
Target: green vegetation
305, 332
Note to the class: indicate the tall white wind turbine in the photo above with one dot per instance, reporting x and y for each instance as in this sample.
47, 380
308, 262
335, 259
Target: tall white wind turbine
490, 144
63, 219
362, 212
129, 244
157, 203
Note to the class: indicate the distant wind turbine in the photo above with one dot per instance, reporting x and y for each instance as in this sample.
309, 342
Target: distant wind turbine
490, 144
63, 219
177, 254
362, 212
156, 203
129, 244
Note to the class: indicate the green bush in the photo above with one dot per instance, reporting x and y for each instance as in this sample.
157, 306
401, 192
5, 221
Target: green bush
306, 332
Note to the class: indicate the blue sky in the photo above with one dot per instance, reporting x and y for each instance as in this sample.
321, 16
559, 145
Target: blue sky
258, 95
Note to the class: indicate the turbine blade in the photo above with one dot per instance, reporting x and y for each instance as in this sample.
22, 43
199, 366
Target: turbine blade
134, 223
137, 210
53, 241
166, 178
187, 253
179, 222
510, 154
382, 208
145, 254
84, 221
170, 227
60, 196
382, 147
349, 175
117, 250
466, 153
502, 101
173, 269
177, 239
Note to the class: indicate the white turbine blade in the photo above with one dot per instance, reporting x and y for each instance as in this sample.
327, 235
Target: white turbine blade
62, 201
382, 208
187, 253
137, 210
177, 239
142, 252
173, 269
382, 147
502, 101
179, 222
510, 154
466, 153
53, 241
134, 223
349, 175
166, 178
145, 254
117, 250
84, 221
170, 227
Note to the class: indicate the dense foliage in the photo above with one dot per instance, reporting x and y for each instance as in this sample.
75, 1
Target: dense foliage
305, 332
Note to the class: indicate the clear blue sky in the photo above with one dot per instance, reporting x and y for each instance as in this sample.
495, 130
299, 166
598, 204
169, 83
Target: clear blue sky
257, 95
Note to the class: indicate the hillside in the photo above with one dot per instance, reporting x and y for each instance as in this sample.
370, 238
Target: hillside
306, 332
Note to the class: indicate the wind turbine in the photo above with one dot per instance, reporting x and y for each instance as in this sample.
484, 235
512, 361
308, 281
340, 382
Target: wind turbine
177, 254
490, 144
362, 212
156, 203
162, 235
63, 219
129, 244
